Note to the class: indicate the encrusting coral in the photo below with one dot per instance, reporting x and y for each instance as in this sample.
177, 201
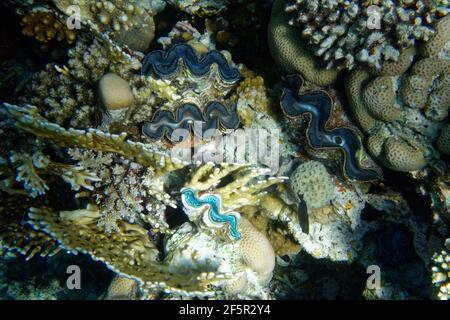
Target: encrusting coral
346, 34
403, 106
291, 53
311, 181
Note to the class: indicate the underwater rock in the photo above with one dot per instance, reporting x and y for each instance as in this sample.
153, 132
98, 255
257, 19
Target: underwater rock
318, 105
291, 53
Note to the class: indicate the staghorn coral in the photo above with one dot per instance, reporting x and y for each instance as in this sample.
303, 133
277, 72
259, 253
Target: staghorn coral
291, 53
319, 105
401, 107
42, 24
440, 272
346, 34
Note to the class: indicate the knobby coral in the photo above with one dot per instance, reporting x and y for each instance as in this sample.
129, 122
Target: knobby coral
403, 106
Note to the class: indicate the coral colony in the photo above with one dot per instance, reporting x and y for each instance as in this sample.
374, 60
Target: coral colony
181, 149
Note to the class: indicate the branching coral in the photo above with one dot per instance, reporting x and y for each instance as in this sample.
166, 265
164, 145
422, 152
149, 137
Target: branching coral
42, 24
16, 235
125, 191
291, 53
348, 33
129, 22
29, 120
67, 94
77, 231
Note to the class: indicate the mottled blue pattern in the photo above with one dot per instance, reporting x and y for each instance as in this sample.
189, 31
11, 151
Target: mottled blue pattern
215, 116
166, 63
318, 105
191, 200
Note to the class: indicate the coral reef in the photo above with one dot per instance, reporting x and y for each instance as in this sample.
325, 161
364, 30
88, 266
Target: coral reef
346, 34
167, 168
42, 24
403, 106
130, 23
291, 53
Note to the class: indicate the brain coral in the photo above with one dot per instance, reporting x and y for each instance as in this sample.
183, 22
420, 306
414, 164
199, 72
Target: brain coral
312, 181
290, 52
403, 106
346, 33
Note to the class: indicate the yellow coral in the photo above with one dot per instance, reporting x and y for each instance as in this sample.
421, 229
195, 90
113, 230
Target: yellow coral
45, 26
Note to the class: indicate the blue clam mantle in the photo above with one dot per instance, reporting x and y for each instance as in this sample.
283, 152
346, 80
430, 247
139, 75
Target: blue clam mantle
318, 105
215, 116
166, 63
191, 201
